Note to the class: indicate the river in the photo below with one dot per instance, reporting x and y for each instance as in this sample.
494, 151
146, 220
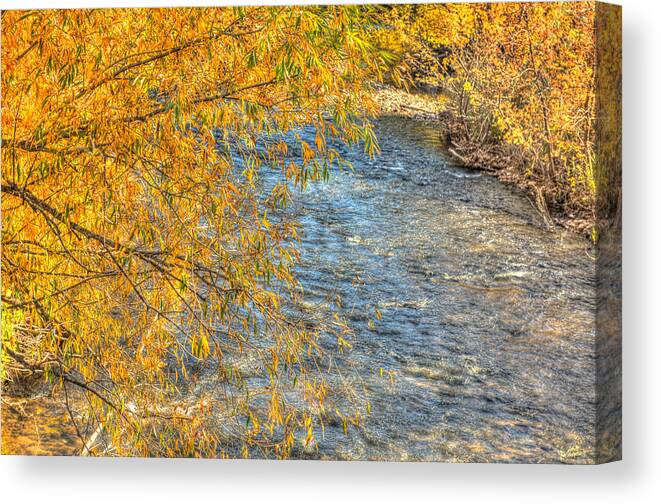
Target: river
485, 350
487, 332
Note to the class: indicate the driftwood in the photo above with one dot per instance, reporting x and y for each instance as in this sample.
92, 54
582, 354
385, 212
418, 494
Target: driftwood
461, 158
542, 208
478, 158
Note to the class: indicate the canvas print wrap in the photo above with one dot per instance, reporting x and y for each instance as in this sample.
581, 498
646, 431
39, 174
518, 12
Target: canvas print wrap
316, 232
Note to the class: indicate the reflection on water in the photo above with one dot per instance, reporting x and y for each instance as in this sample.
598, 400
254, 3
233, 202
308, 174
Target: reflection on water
485, 349
488, 319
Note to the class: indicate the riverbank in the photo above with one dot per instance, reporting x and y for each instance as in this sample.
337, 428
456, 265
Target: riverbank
420, 106
429, 107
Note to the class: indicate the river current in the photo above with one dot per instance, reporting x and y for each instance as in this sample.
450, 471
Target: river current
484, 350
487, 331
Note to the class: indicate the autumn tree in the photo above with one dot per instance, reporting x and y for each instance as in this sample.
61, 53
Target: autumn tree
138, 245
518, 80
527, 78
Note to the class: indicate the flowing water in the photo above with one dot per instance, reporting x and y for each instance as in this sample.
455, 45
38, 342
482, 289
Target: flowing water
485, 349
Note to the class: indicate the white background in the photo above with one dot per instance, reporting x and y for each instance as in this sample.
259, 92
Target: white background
636, 479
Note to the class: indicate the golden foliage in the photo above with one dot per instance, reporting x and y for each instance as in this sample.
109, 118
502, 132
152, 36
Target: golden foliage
521, 75
137, 245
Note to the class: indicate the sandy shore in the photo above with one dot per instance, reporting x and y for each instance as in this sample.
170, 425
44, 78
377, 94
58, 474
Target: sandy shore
416, 105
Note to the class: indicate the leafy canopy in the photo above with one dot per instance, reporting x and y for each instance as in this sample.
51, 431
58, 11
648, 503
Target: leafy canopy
138, 245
